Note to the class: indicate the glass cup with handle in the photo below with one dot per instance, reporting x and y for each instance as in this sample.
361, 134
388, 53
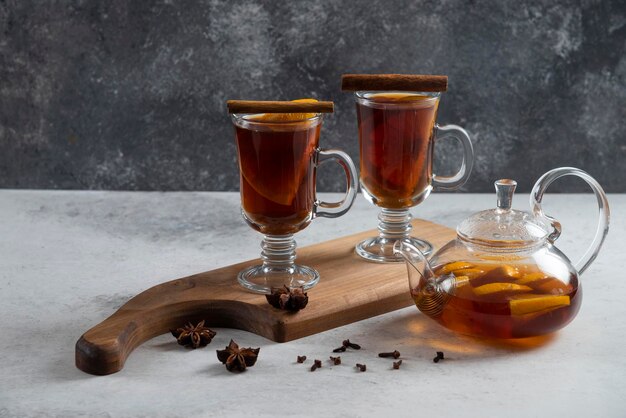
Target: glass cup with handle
278, 152
397, 137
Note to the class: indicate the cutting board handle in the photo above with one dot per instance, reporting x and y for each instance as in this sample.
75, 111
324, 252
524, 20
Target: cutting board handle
104, 348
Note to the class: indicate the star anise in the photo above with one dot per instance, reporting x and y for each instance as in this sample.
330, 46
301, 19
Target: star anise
290, 299
193, 336
237, 359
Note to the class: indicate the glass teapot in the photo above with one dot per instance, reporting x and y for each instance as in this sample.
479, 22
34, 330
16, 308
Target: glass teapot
502, 276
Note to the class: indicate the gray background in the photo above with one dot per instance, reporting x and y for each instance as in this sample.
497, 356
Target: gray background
130, 94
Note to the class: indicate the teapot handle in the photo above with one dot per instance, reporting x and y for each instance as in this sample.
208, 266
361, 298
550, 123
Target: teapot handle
604, 213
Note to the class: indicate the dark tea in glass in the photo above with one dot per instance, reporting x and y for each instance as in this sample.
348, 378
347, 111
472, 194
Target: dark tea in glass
276, 163
396, 144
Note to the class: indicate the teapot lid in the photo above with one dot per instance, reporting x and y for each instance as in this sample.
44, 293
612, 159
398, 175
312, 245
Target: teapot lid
503, 226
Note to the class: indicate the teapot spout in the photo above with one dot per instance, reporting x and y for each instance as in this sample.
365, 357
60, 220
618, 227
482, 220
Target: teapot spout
430, 293
415, 259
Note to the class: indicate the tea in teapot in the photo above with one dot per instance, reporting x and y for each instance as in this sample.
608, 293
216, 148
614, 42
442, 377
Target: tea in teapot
520, 299
502, 276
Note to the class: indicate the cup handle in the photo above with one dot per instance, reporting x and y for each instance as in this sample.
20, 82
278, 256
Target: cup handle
604, 214
459, 179
336, 209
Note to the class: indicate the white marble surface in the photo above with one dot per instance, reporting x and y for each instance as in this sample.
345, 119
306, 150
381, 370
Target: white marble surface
69, 259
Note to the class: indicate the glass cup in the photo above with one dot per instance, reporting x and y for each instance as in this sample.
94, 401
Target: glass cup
277, 165
397, 136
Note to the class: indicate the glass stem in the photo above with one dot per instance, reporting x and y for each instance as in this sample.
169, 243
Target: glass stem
278, 253
394, 224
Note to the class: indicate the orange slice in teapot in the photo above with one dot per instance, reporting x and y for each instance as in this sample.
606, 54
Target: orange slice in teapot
471, 272
526, 304
493, 288
460, 281
498, 274
554, 287
529, 278
456, 265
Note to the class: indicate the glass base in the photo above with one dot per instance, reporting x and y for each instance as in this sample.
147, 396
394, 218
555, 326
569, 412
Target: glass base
278, 268
261, 279
380, 249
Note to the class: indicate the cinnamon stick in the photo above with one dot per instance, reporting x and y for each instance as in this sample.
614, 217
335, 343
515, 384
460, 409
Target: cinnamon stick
389, 82
254, 106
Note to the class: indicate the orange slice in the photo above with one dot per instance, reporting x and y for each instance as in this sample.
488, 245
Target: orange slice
531, 277
554, 287
288, 117
492, 288
526, 296
460, 281
457, 265
471, 273
398, 97
502, 273
497, 274
537, 303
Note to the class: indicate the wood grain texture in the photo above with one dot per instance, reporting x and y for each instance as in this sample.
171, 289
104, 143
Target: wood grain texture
390, 82
252, 106
350, 290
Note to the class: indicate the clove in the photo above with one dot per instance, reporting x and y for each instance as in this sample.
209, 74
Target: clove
336, 360
396, 364
361, 367
348, 344
395, 354
439, 357
316, 365
340, 349
301, 359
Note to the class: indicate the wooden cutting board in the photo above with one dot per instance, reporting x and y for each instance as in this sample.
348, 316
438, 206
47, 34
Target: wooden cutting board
350, 289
